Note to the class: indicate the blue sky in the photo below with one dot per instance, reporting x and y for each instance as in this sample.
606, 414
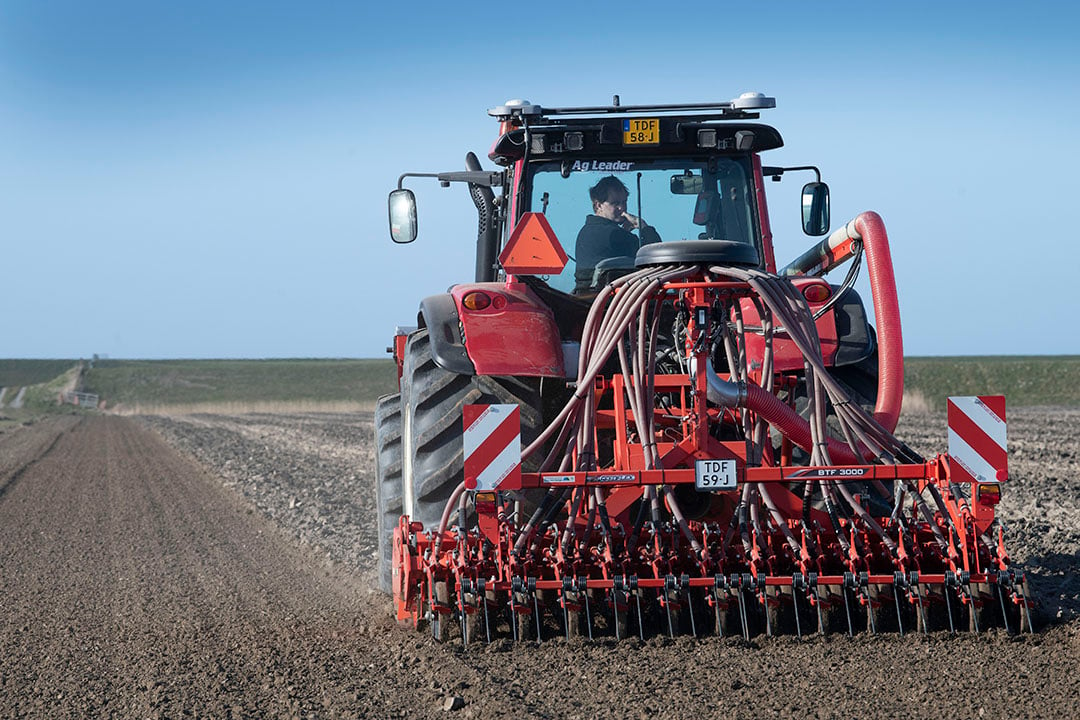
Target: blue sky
209, 179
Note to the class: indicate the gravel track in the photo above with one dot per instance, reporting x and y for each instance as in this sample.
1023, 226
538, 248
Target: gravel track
228, 571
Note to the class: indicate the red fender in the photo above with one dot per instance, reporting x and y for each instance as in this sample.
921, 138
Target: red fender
513, 334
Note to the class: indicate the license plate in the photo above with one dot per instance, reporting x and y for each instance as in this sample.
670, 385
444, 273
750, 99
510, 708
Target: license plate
714, 474
641, 131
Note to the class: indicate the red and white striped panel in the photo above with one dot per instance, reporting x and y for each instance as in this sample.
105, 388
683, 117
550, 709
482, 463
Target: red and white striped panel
492, 445
977, 441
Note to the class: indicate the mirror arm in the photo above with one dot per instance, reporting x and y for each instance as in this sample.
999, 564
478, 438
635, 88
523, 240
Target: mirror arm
776, 172
473, 177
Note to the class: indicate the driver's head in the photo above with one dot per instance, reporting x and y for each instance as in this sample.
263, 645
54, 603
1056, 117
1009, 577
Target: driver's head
609, 197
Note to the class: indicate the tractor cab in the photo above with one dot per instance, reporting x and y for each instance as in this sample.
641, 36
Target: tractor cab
682, 173
689, 172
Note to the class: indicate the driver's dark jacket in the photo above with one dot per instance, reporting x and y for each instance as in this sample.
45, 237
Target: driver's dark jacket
601, 239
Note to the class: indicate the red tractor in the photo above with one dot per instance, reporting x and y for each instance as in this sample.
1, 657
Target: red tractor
635, 422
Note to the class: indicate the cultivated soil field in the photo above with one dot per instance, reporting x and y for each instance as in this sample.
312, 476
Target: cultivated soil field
223, 566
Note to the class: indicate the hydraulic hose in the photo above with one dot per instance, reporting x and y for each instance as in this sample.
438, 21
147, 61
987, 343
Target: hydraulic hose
791, 424
869, 229
773, 409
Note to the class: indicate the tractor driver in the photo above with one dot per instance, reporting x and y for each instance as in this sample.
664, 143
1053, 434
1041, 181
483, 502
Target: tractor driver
606, 233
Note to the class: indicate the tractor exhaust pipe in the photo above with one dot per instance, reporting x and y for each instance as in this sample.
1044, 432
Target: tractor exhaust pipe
487, 234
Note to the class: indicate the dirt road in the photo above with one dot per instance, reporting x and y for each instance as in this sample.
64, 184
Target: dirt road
135, 585
228, 573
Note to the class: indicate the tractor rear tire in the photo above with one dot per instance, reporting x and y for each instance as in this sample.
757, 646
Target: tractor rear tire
387, 481
433, 454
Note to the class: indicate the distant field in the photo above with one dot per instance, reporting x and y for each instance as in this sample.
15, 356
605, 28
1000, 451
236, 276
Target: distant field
243, 385
17, 373
1052, 380
236, 384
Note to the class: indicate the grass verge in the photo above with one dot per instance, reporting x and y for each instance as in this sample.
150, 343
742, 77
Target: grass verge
1025, 381
157, 384
281, 386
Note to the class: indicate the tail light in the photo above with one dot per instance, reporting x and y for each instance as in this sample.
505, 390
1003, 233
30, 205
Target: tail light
485, 503
817, 293
476, 300
988, 493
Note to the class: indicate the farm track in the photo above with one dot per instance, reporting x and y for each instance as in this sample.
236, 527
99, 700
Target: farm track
228, 572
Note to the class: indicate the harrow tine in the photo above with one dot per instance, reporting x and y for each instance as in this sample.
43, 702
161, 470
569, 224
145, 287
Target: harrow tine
536, 615
815, 588
922, 610
487, 625
798, 621
615, 611
948, 602
1001, 600
971, 607
1024, 604
848, 578
896, 600
716, 603
742, 610
665, 598
689, 603
563, 601
436, 616
796, 585
620, 593
516, 587
584, 590
637, 599
764, 597
864, 590
461, 614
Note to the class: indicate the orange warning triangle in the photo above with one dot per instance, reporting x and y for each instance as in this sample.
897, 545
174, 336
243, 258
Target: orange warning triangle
533, 248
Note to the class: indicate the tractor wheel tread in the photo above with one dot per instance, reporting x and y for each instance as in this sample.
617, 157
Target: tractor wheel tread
436, 398
388, 464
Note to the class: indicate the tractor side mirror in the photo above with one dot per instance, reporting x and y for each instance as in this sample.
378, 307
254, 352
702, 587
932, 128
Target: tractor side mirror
402, 216
815, 208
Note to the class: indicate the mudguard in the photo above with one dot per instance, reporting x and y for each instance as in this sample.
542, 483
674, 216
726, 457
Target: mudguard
514, 334
855, 340
439, 314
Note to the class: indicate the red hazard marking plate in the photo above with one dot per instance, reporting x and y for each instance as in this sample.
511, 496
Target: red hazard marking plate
977, 439
492, 446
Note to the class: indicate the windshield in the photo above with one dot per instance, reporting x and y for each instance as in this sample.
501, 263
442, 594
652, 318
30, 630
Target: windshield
601, 222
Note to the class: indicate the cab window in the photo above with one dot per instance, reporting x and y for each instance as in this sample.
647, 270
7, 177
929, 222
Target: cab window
681, 199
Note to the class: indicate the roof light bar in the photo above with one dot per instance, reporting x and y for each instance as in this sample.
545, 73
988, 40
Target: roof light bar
748, 101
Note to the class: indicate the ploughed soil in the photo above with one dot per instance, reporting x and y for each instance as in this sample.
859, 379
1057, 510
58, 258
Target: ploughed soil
223, 566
